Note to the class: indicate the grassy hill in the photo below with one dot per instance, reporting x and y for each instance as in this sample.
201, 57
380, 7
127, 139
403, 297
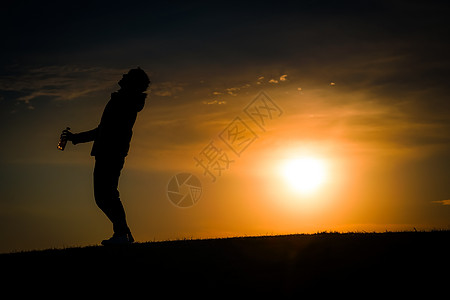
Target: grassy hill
335, 263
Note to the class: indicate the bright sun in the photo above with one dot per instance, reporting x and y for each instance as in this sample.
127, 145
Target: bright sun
304, 174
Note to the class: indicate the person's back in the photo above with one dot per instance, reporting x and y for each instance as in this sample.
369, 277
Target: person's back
116, 126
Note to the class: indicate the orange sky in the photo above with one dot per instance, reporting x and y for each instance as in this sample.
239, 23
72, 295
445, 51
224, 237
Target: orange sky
365, 97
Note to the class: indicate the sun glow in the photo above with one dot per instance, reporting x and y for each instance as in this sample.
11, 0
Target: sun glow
305, 174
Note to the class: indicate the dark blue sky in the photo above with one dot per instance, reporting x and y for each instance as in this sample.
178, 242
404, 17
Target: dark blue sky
173, 39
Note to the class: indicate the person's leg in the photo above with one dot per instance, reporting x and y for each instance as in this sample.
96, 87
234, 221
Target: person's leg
106, 180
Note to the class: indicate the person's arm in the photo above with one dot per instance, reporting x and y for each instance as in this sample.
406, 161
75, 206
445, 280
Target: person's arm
82, 137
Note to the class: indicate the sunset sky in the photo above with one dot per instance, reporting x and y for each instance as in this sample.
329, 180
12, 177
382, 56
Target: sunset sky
359, 87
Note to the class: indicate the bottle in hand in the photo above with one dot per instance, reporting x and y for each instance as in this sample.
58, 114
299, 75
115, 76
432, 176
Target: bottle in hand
62, 140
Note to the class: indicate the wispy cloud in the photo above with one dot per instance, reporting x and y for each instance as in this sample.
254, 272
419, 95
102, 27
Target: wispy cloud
443, 202
167, 89
218, 102
59, 82
275, 81
243, 88
232, 91
64, 83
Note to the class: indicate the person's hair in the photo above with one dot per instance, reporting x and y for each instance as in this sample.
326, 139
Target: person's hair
137, 80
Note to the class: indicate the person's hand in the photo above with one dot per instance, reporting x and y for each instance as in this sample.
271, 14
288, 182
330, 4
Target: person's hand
66, 134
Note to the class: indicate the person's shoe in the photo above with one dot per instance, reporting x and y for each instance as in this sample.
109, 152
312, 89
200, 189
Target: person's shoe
117, 240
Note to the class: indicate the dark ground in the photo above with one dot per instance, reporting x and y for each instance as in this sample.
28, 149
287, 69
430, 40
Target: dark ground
391, 263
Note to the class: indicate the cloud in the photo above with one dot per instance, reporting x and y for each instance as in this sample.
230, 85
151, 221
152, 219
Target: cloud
282, 78
59, 82
272, 80
233, 91
217, 102
64, 83
443, 202
167, 89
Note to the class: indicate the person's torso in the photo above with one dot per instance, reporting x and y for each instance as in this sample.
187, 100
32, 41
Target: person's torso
116, 126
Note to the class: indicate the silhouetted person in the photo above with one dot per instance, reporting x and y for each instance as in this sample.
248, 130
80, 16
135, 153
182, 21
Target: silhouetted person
111, 144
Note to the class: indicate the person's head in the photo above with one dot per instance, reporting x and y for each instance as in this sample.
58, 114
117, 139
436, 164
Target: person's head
135, 80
